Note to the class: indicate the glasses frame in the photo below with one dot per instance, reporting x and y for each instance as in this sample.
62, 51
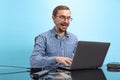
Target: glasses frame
64, 18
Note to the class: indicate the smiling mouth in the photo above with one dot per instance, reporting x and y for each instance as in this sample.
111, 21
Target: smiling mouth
64, 24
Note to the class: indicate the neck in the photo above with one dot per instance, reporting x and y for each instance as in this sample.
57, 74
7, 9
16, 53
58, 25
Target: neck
60, 33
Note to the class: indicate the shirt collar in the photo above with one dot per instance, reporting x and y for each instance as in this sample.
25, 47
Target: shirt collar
54, 33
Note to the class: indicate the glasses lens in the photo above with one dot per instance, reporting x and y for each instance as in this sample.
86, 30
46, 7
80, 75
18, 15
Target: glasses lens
64, 18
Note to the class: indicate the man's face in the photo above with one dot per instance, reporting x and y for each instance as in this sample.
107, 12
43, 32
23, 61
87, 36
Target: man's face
62, 20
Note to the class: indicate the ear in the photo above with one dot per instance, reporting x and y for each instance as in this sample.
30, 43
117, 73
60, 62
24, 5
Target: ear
53, 17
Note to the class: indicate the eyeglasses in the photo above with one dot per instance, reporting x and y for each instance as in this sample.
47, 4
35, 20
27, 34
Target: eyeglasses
64, 18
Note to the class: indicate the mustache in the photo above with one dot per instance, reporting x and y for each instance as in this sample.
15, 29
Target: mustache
64, 24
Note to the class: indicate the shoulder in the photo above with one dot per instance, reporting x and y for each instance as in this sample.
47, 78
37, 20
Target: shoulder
72, 36
43, 36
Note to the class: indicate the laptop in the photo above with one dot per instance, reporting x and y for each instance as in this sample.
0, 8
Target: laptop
88, 55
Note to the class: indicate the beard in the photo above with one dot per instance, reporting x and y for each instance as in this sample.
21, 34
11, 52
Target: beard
62, 30
63, 27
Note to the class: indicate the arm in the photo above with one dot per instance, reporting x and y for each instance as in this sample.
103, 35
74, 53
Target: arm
38, 57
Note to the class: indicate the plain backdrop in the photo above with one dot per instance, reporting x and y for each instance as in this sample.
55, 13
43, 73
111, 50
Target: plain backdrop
22, 20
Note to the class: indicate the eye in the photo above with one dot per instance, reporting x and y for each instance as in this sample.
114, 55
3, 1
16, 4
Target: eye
68, 18
62, 17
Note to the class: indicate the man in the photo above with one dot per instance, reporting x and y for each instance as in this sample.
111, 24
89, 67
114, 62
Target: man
55, 46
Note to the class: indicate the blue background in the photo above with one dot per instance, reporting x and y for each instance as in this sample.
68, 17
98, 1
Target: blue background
22, 20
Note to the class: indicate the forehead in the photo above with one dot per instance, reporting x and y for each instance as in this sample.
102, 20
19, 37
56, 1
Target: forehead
64, 12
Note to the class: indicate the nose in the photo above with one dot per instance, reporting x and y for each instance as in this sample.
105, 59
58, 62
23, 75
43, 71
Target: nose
66, 20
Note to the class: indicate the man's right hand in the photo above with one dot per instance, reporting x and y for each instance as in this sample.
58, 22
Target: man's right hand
64, 60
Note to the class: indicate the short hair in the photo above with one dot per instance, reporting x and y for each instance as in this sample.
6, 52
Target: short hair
60, 7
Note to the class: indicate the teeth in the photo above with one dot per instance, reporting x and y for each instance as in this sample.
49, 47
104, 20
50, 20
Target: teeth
64, 24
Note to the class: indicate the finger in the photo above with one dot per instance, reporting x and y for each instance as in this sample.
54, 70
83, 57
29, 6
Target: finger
69, 61
65, 63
